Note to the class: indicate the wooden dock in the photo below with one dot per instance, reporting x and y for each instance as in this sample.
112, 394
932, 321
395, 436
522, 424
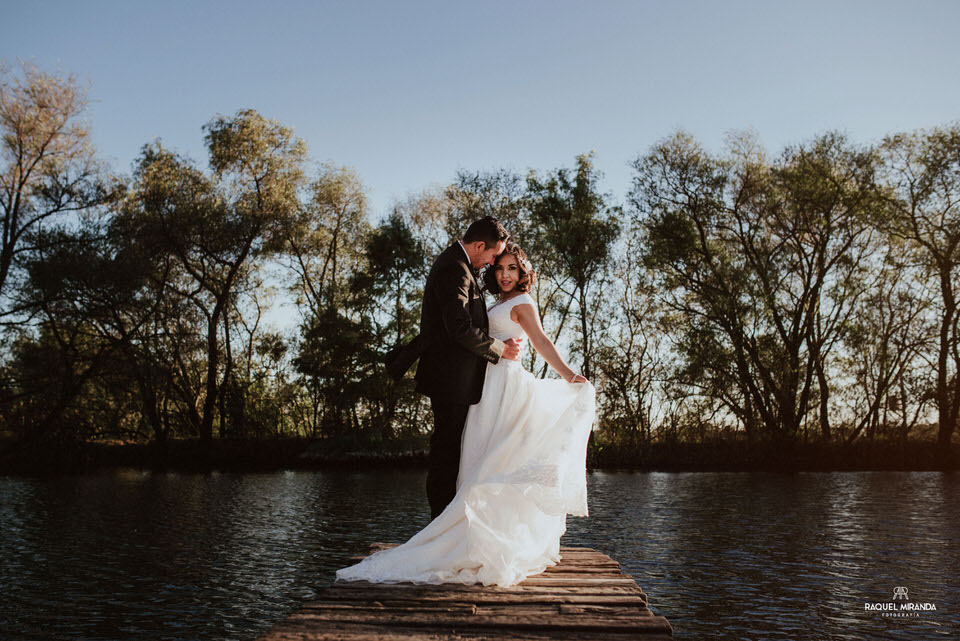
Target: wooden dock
585, 596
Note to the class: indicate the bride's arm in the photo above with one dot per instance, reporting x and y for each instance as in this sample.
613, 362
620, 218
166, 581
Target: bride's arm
529, 320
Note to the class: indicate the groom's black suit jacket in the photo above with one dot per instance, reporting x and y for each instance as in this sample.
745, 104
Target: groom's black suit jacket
453, 329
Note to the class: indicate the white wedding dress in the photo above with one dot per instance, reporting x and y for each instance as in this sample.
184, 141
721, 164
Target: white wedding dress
522, 470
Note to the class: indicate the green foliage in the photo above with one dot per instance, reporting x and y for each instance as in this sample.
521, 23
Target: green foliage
395, 264
580, 228
736, 297
48, 168
323, 247
765, 262
923, 169
338, 358
575, 218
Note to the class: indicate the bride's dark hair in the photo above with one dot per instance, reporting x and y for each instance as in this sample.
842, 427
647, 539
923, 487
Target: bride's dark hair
527, 276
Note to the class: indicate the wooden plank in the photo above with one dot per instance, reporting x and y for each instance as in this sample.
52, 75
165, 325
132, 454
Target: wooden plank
520, 589
576, 569
563, 548
458, 620
577, 563
352, 632
584, 596
562, 571
526, 583
585, 578
541, 580
564, 551
377, 609
491, 596
475, 607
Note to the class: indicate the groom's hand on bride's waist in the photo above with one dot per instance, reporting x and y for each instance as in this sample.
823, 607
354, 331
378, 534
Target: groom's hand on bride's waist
512, 349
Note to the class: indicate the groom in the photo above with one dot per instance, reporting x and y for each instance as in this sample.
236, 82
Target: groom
456, 348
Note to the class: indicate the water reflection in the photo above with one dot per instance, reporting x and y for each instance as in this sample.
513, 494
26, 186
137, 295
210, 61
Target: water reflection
143, 555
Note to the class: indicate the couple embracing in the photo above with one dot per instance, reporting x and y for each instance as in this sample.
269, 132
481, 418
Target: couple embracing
508, 450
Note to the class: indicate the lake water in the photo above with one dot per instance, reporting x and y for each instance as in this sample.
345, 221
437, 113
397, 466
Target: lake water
139, 555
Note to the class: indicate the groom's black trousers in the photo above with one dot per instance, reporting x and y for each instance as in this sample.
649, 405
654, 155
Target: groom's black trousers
444, 460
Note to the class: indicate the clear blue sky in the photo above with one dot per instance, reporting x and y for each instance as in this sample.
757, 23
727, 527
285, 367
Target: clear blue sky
408, 92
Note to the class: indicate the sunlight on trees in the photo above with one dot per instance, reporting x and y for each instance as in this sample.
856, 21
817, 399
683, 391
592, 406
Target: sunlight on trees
805, 296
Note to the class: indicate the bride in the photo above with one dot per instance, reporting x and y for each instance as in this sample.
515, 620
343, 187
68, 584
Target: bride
522, 463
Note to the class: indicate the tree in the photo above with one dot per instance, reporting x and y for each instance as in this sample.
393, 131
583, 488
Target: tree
580, 227
826, 215
325, 245
218, 226
630, 358
764, 261
884, 341
84, 286
393, 281
47, 162
393, 275
924, 172
337, 358
475, 194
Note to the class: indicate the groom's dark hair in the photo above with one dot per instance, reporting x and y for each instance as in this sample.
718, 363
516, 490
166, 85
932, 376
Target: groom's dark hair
488, 229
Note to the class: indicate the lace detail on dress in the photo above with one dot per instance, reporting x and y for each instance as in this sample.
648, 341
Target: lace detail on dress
556, 479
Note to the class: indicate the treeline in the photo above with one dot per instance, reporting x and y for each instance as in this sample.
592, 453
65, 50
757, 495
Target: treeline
808, 296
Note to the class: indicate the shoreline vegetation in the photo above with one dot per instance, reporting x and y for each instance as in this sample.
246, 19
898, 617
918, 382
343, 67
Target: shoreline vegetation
269, 455
737, 308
